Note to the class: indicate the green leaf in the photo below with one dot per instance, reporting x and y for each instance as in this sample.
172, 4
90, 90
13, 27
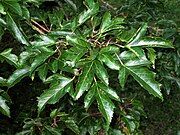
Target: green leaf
109, 91
4, 109
73, 55
61, 33
129, 123
41, 58
93, 8
49, 130
54, 93
115, 132
109, 61
70, 123
15, 30
1, 32
23, 57
85, 80
78, 42
105, 105
151, 55
101, 72
110, 49
13, 6
108, 24
42, 72
17, 76
54, 113
4, 94
146, 79
9, 57
2, 9
123, 74
126, 35
55, 66
25, 13
152, 42
140, 32
2, 22
44, 41
2, 81
135, 57
90, 97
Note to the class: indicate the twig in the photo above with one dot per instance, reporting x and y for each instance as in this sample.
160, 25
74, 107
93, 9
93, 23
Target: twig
36, 23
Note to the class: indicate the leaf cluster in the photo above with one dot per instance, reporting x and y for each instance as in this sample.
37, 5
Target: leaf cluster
73, 56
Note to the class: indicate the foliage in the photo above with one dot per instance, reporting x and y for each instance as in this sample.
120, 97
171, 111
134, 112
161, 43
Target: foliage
73, 54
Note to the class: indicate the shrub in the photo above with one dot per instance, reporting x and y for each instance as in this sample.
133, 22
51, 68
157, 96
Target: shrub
74, 54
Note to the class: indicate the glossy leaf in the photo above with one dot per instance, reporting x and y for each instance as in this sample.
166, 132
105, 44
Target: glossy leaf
105, 105
2, 22
15, 30
4, 109
2, 81
42, 72
109, 91
123, 74
108, 24
90, 97
93, 8
25, 12
135, 57
17, 76
55, 66
126, 35
101, 72
41, 58
129, 123
110, 49
2, 11
109, 61
151, 55
73, 55
13, 6
76, 41
44, 41
61, 33
70, 123
152, 42
139, 34
146, 79
54, 93
85, 80
23, 58
9, 57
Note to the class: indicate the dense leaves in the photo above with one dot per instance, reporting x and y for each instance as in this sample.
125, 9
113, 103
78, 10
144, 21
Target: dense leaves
72, 57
